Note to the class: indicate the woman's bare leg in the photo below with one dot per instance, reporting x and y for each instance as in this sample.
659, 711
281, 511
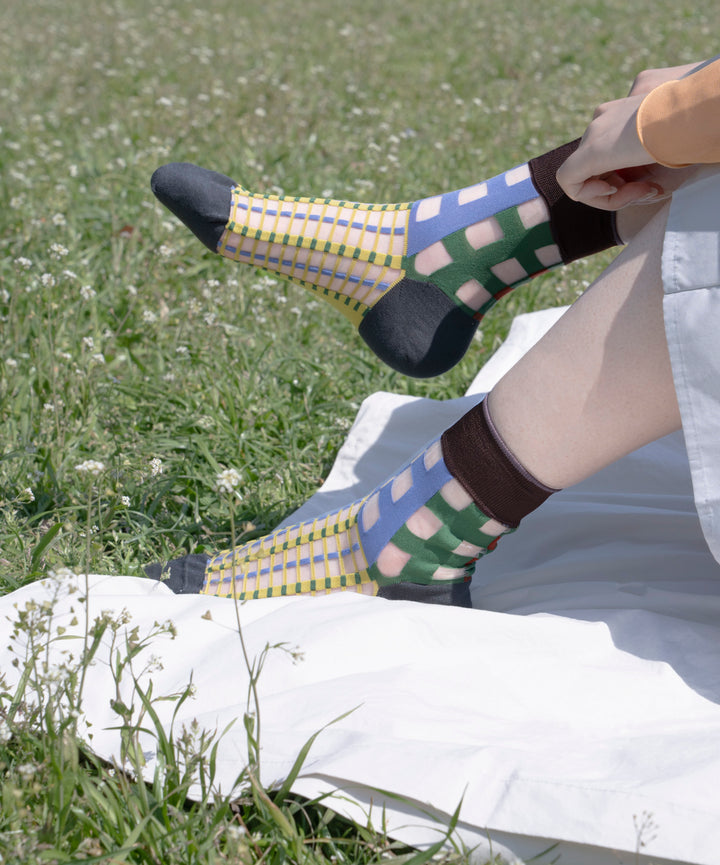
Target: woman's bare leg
599, 384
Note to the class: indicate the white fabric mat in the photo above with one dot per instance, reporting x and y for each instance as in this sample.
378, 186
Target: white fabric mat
577, 705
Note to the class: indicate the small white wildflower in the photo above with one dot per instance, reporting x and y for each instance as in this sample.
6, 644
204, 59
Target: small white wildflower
125, 501
5, 732
27, 495
164, 101
209, 318
4, 295
169, 376
156, 466
87, 292
260, 111
48, 280
23, 262
281, 298
90, 467
99, 358
59, 219
17, 202
295, 310
58, 251
149, 316
69, 274
27, 770
11, 363
227, 480
73, 170
165, 251
48, 406
183, 350
89, 343
235, 832
205, 421
131, 290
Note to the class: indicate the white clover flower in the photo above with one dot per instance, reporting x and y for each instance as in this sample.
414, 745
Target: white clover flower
227, 480
27, 770
58, 251
5, 732
156, 466
87, 292
90, 467
23, 262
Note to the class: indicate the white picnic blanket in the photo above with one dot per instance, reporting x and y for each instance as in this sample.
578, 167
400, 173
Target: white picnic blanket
578, 704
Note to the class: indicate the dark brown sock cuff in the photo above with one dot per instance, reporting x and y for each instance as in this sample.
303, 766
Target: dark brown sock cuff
577, 229
499, 485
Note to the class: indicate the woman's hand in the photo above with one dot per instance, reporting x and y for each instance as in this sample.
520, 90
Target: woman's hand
611, 169
649, 79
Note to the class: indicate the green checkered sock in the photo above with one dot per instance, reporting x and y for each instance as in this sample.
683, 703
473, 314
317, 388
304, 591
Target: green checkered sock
416, 537
414, 278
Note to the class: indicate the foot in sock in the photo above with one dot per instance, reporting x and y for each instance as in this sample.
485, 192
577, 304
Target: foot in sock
414, 278
416, 537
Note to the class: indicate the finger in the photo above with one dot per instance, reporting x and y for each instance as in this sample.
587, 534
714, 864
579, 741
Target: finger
630, 193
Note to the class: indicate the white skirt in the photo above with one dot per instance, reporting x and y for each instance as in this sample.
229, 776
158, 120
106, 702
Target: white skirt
691, 281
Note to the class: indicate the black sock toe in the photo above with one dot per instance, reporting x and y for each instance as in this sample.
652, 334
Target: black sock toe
184, 576
199, 197
417, 330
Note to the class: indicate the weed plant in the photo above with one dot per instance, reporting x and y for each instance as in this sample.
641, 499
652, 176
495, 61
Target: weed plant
126, 344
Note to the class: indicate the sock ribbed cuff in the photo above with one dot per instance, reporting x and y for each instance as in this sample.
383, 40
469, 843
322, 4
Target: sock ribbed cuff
477, 456
578, 230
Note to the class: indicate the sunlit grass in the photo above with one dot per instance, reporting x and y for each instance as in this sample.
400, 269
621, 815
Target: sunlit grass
125, 342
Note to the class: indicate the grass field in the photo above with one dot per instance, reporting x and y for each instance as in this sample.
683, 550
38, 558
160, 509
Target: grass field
125, 342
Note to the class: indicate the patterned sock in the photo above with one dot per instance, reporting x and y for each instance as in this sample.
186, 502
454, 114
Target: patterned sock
416, 537
414, 278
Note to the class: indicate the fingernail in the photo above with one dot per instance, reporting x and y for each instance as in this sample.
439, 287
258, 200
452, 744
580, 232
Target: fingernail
649, 197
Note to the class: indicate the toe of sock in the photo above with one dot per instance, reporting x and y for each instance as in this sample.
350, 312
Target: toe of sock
185, 576
199, 197
417, 330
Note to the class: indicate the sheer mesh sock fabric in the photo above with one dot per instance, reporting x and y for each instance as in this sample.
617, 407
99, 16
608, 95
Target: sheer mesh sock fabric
416, 537
414, 278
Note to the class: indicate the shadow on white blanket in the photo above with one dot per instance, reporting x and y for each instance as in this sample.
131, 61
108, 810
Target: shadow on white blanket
579, 700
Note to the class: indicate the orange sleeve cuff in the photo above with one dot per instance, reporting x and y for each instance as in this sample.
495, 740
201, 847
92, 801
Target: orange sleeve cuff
678, 123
